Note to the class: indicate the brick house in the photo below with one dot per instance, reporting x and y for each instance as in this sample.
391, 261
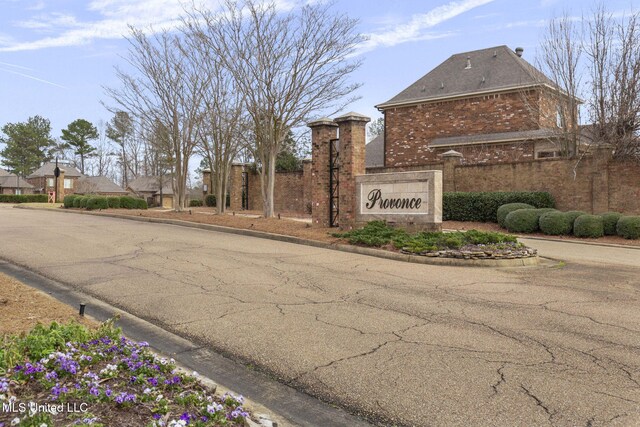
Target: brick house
490, 105
11, 184
148, 188
100, 185
43, 179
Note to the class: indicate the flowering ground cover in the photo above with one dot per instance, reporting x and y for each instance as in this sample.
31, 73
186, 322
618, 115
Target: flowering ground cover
70, 375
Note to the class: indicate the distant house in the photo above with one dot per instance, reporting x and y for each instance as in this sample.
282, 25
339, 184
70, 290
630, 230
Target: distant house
99, 185
491, 105
12, 184
148, 188
43, 179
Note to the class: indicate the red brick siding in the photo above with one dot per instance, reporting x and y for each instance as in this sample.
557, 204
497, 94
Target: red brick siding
624, 187
288, 192
409, 130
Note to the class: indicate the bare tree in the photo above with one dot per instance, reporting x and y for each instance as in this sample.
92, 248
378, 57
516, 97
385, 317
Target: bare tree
167, 89
223, 119
613, 49
561, 50
121, 130
101, 163
288, 66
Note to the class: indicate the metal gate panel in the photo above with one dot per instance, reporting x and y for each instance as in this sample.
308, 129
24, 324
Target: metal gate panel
245, 191
334, 182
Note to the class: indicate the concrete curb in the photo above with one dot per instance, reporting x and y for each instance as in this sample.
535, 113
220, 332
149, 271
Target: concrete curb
379, 253
268, 399
579, 242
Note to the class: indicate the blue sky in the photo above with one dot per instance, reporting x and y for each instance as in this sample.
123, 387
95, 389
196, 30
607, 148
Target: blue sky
55, 56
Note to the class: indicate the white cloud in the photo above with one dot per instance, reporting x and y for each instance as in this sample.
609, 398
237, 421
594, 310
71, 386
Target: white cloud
114, 16
414, 30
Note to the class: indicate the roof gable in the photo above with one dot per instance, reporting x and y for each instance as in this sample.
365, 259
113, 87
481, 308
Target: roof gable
486, 70
48, 168
98, 184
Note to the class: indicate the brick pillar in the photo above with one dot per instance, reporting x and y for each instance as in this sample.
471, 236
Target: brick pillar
206, 183
600, 179
235, 186
352, 128
451, 159
60, 189
306, 186
322, 131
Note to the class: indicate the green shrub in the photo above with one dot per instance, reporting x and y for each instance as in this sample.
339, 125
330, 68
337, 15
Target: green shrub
572, 215
97, 202
127, 202
210, 200
113, 202
83, 201
76, 202
504, 210
483, 207
629, 227
610, 220
194, 203
24, 198
522, 221
68, 200
588, 226
140, 203
555, 223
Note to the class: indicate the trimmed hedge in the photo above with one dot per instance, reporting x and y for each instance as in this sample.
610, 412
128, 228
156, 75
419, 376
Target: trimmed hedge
24, 198
555, 223
68, 200
210, 200
504, 210
195, 203
588, 226
483, 207
140, 203
572, 215
84, 200
113, 202
97, 202
610, 220
127, 202
629, 227
522, 221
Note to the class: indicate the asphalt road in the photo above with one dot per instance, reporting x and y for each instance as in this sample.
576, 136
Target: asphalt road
407, 344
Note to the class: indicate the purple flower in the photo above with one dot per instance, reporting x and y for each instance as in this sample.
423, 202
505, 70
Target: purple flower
157, 416
108, 392
94, 391
153, 381
51, 375
186, 417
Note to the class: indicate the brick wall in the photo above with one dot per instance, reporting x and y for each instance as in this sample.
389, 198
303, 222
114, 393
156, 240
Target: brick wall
289, 193
408, 130
624, 187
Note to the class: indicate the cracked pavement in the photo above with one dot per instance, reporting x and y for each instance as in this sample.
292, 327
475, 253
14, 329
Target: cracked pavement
404, 344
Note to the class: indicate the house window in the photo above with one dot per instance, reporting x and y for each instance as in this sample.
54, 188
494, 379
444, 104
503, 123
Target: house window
547, 154
18, 191
560, 116
68, 184
50, 182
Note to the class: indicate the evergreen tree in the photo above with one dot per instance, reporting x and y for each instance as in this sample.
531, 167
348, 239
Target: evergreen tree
77, 135
27, 145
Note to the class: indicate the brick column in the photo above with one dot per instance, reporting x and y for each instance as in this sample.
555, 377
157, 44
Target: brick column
451, 159
206, 181
235, 187
352, 128
322, 131
60, 189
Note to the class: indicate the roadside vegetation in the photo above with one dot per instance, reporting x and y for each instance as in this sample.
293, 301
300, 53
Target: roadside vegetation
92, 202
67, 374
470, 243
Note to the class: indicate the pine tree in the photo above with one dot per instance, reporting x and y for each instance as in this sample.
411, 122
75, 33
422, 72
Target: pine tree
77, 135
26, 145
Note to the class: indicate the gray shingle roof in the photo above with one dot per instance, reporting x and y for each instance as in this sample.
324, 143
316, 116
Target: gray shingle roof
493, 138
97, 184
374, 152
47, 170
492, 69
151, 184
8, 180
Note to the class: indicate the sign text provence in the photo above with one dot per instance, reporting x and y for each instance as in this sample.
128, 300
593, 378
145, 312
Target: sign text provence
412, 198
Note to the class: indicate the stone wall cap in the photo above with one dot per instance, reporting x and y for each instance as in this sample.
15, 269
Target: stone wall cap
239, 164
324, 121
352, 116
452, 153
